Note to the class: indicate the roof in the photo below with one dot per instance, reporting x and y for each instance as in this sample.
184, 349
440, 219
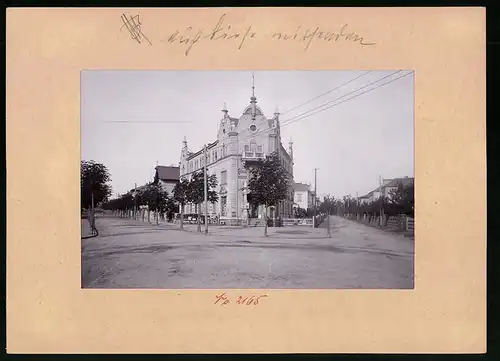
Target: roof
235, 121
299, 187
168, 173
397, 181
191, 155
139, 188
391, 183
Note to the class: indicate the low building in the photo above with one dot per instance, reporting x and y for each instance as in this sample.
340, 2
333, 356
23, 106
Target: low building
168, 177
388, 185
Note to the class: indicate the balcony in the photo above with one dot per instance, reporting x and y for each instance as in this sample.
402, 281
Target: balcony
253, 155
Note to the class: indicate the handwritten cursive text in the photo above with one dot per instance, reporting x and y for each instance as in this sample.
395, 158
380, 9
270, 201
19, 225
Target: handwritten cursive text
225, 32
220, 31
308, 35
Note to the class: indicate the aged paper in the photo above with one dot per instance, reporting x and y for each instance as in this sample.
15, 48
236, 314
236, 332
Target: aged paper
48, 312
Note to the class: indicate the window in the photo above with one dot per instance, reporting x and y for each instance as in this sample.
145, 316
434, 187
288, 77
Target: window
253, 127
299, 197
224, 149
215, 155
247, 148
259, 149
223, 201
253, 145
223, 177
208, 158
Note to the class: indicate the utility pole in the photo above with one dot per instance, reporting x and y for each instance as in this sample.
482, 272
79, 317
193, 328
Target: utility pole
206, 187
135, 200
315, 195
381, 200
92, 202
329, 234
357, 206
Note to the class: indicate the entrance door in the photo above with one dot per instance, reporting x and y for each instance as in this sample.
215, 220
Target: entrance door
254, 208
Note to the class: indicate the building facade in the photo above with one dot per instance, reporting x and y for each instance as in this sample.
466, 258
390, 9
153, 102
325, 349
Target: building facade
240, 141
303, 197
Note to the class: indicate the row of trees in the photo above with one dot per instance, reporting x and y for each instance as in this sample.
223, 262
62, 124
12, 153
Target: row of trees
157, 199
152, 195
269, 183
399, 201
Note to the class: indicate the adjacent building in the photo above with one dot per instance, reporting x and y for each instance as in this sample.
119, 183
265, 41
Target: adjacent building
167, 176
240, 141
303, 197
388, 185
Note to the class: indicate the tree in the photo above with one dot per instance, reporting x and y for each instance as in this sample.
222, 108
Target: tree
301, 213
402, 200
269, 182
180, 196
171, 208
156, 199
196, 191
94, 184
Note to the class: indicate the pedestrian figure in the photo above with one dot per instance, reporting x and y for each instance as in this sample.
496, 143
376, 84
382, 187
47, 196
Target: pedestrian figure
93, 228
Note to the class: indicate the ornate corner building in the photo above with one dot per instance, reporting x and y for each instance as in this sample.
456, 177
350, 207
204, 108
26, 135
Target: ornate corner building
240, 141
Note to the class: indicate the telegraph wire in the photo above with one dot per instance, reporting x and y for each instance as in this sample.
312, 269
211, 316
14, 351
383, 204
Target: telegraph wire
331, 101
301, 116
329, 91
349, 81
290, 121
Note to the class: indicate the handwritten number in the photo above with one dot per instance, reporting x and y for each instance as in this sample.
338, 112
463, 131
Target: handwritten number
252, 300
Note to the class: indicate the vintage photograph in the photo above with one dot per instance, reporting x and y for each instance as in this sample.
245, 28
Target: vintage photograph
247, 179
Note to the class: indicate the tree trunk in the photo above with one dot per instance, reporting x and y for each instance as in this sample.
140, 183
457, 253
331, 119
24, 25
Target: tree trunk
265, 221
199, 217
149, 216
157, 217
182, 216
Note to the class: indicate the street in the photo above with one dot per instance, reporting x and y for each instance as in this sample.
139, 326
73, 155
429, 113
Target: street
132, 254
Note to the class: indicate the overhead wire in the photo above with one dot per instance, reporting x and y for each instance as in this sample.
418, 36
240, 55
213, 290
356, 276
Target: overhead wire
328, 92
286, 122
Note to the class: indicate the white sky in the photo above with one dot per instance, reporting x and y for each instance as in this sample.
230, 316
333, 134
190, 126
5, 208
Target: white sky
351, 143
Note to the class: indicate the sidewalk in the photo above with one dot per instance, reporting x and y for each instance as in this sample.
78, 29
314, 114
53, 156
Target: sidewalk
290, 232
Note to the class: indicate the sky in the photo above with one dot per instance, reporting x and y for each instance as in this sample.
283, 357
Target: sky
133, 120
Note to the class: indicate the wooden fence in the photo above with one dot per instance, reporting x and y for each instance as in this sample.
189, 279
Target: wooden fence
410, 224
401, 223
